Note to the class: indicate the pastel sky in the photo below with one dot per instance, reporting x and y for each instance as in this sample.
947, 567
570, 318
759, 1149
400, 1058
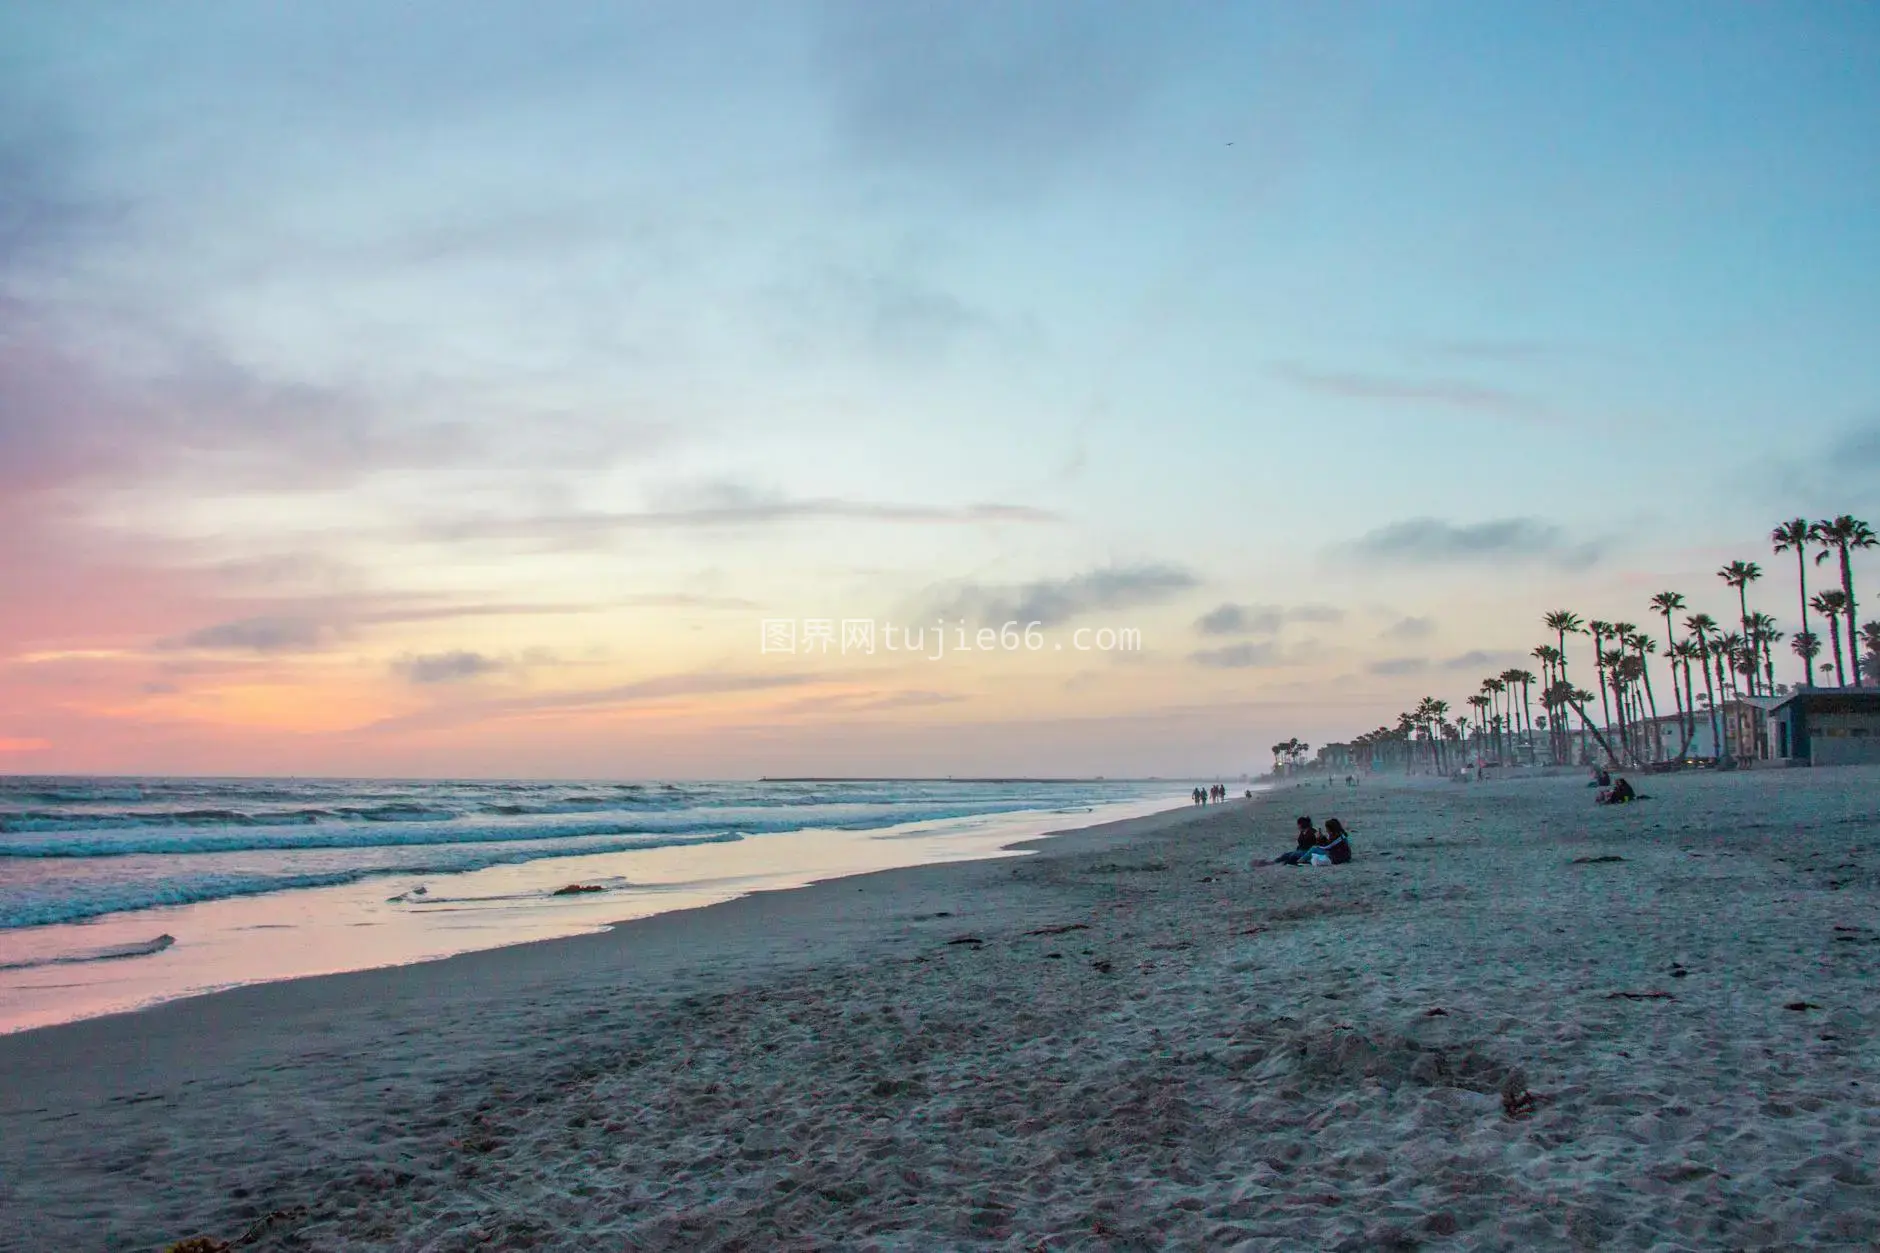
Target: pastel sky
453, 388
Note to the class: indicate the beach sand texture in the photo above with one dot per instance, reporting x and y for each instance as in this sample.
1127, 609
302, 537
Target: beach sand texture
1516, 1021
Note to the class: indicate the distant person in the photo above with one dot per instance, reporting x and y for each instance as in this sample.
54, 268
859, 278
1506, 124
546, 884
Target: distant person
1620, 793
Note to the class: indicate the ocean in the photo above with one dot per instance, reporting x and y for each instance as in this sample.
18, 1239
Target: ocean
120, 892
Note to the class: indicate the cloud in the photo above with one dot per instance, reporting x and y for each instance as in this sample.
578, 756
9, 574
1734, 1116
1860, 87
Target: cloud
994, 98
1409, 628
1432, 541
1236, 656
600, 528
1455, 394
309, 625
644, 691
21, 745
258, 635
1054, 601
872, 702
447, 667
1475, 659
1479, 658
1232, 619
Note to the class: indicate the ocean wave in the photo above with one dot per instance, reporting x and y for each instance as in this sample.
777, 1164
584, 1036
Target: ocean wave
195, 889
108, 953
134, 840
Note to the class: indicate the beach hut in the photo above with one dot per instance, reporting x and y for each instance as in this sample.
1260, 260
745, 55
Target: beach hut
1827, 726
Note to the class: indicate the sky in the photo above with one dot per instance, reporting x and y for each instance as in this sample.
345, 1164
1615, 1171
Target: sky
479, 389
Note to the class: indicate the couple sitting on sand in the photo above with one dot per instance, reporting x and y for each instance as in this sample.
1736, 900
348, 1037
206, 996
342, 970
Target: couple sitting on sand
1619, 793
1329, 847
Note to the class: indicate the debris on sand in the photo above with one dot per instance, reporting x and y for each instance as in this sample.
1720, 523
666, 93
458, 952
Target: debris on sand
1595, 861
1066, 929
1640, 996
578, 889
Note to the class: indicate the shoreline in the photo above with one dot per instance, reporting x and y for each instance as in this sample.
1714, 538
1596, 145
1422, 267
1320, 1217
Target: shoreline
1144, 1035
660, 935
371, 922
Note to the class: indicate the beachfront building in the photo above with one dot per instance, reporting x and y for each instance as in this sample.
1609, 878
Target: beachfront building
1743, 723
1827, 726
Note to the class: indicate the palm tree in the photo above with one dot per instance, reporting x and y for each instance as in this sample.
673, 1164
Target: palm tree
1599, 631
1549, 657
1763, 633
1480, 705
1434, 714
1833, 603
1795, 534
1700, 625
1807, 646
1685, 652
1526, 679
1643, 646
1740, 574
1622, 633
1668, 603
1844, 534
1563, 623
1511, 679
1870, 640
1493, 688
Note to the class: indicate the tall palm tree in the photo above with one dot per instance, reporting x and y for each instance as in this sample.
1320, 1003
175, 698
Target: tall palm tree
1511, 679
1795, 535
1549, 657
1492, 688
1622, 633
1526, 679
1844, 534
1436, 714
1643, 646
1700, 625
1668, 603
1563, 623
1740, 574
1833, 603
1479, 703
1599, 631
1763, 633
1870, 640
1684, 652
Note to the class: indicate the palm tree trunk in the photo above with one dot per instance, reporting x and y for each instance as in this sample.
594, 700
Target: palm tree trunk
1651, 696
1853, 628
1716, 726
1801, 571
1691, 710
1834, 634
1742, 600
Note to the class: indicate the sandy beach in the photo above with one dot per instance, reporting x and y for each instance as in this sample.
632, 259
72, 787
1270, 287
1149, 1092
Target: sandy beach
1516, 1021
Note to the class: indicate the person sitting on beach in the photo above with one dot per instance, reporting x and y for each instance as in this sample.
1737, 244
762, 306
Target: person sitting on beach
1308, 840
1334, 843
1619, 794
